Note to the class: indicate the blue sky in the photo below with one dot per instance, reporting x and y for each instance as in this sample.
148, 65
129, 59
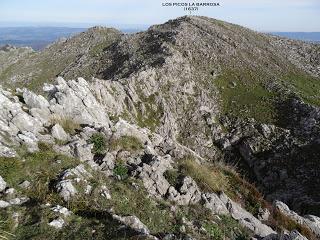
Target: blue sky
261, 15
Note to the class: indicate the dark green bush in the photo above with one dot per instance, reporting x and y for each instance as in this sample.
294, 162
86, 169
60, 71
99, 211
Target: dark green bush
121, 170
99, 143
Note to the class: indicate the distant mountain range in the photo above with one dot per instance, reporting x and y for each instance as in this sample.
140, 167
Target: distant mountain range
40, 37
304, 36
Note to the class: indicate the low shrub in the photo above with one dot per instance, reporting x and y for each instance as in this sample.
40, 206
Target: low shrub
99, 143
214, 231
121, 170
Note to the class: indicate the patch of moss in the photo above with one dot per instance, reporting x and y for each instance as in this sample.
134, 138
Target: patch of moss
121, 170
172, 176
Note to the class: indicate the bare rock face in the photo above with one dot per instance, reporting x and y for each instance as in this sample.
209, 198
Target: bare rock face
188, 193
75, 100
245, 218
151, 172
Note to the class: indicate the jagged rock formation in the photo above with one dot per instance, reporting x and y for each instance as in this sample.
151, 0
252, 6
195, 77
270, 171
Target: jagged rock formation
193, 87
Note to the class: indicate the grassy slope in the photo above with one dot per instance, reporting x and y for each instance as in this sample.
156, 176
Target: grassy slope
36, 68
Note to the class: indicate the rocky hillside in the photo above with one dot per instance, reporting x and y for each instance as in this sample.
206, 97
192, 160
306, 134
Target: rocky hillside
155, 143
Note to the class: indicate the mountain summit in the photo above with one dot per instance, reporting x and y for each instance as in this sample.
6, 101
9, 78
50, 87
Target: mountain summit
150, 139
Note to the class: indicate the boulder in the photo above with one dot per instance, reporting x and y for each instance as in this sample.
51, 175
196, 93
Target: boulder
187, 193
81, 150
69, 178
34, 101
57, 223
213, 202
4, 204
58, 133
29, 140
66, 189
25, 184
75, 100
151, 172
61, 210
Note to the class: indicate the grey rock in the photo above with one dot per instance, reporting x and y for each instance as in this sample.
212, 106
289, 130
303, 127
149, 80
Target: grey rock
66, 189
4, 204
310, 221
66, 186
104, 192
213, 202
57, 223
189, 192
134, 223
61, 210
34, 101
58, 133
7, 152
18, 201
25, 184
123, 128
82, 150
245, 218
151, 173
75, 100
29, 140
3, 184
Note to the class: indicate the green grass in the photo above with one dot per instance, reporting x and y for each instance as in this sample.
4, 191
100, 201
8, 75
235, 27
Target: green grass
128, 200
244, 95
172, 176
126, 143
217, 227
306, 86
214, 231
40, 168
209, 179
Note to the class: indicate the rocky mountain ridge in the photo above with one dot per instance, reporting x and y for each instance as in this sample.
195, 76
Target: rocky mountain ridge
144, 155
167, 103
